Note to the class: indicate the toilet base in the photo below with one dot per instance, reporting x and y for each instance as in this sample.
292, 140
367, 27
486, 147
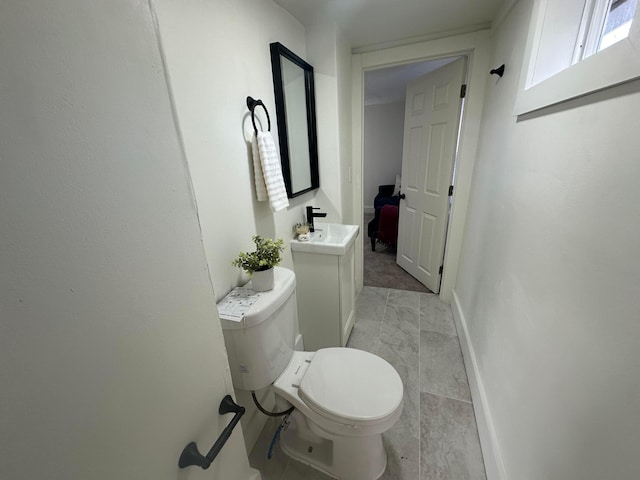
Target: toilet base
349, 458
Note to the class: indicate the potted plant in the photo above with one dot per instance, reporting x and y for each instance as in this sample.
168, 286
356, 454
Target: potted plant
259, 263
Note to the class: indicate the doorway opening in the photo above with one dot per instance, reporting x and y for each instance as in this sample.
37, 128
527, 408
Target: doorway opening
424, 154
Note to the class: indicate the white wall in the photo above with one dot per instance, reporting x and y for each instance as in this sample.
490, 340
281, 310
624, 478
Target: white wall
111, 353
218, 54
549, 279
383, 136
330, 54
343, 73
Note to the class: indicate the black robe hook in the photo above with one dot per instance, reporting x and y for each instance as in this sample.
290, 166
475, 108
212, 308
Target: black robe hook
498, 71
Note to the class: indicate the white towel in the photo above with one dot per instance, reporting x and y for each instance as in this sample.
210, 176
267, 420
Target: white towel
261, 188
268, 172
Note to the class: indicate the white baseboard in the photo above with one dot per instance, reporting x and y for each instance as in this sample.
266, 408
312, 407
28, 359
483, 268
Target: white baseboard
490, 449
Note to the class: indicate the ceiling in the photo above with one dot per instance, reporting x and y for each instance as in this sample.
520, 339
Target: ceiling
388, 85
370, 23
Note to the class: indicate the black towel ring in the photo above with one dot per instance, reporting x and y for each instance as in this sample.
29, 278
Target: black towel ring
252, 104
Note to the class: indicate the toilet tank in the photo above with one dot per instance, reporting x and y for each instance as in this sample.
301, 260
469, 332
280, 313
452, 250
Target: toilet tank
262, 343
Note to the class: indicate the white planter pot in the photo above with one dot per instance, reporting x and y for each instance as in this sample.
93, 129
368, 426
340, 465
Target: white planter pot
262, 281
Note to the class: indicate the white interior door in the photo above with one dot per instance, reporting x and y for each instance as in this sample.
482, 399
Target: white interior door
432, 114
112, 357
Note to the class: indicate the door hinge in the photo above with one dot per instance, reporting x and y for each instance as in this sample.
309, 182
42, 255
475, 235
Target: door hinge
450, 190
463, 90
441, 269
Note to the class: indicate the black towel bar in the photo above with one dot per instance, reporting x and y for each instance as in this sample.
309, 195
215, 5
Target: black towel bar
191, 456
252, 104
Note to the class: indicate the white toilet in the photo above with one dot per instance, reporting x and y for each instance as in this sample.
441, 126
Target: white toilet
344, 398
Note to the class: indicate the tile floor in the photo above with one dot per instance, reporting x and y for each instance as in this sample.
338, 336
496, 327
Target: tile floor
436, 436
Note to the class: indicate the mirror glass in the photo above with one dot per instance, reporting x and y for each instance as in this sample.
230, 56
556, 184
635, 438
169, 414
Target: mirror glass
295, 111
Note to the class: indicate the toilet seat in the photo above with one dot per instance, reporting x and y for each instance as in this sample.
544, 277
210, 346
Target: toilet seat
351, 386
343, 390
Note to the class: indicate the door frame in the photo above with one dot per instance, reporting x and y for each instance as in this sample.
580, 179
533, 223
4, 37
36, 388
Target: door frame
475, 46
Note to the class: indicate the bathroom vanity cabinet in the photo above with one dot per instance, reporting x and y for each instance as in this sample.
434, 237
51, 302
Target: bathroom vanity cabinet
326, 297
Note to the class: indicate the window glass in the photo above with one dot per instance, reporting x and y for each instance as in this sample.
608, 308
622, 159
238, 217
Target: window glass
618, 22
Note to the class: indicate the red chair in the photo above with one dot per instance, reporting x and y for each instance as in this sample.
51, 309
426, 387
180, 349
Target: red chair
384, 197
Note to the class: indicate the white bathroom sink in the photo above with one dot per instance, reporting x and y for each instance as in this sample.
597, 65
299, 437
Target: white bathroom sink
328, 239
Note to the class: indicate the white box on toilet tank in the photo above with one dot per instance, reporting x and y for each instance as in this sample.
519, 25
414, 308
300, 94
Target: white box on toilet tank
262, 343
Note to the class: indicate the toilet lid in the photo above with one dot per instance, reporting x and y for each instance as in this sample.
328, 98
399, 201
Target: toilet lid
351, 384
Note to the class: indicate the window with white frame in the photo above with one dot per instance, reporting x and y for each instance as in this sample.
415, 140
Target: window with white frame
604, 23
576, 47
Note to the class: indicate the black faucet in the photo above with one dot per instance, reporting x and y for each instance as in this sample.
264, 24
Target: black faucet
311, 215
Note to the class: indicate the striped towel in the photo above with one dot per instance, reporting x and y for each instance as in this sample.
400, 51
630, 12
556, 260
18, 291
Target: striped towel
268, 172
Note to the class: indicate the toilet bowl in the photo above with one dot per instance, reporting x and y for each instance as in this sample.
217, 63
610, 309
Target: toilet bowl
343, 398
346, 398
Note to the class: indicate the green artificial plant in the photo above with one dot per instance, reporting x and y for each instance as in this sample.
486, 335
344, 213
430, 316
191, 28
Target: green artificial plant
268, 254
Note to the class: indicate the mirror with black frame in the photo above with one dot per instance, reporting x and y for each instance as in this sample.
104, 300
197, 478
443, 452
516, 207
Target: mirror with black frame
296, 113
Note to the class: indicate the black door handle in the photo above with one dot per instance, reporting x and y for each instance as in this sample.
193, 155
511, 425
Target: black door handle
402, 196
